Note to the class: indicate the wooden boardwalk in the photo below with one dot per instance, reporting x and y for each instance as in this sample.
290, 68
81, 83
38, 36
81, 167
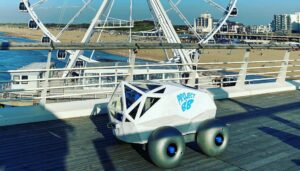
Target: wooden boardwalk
265, 135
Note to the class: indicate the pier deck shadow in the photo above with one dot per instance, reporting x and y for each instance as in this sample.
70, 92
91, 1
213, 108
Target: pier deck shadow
264, 135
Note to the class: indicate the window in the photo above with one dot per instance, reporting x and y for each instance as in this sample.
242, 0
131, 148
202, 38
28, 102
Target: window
16, 78
146, 87
150, 101
162, 91
134, 111
131, 96
116, 105
79, 63
24, 77
118, 116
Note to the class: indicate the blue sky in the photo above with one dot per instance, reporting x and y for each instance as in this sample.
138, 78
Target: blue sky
250, 11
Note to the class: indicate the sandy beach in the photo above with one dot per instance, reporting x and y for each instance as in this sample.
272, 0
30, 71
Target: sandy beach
158, 55
77, 35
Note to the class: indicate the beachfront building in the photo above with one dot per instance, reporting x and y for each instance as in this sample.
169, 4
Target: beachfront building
204, 23
286, 23
295, 22
260, 29
22, 81
233, 27
282, 23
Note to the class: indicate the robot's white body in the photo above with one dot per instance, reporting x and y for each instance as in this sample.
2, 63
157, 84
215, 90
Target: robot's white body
137, 109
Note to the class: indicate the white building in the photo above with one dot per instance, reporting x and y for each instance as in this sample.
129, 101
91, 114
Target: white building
261, 29
233, 27
282, 23
20, 79
295, 22
287, 23
204, 24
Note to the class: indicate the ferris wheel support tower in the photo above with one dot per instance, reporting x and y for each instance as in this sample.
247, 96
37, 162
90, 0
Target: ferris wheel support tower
169, 31
87, 36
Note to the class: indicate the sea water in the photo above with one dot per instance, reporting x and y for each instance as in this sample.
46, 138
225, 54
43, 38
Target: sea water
12, 60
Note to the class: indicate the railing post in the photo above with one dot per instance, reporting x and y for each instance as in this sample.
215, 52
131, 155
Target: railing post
116, 75
284, 68
46, 83
131, 64
193, 74
243, 72
148, 72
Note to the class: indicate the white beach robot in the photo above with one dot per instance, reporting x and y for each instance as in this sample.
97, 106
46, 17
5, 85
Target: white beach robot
165, 116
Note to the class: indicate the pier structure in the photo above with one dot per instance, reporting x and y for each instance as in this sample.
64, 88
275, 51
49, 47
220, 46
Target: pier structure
248, 37
65, 127
264, 135
96, 82
262, 112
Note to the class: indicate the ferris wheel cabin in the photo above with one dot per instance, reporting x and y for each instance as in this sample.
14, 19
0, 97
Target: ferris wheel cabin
32, 25
233, 13
79, 63
22, 7
46, 39
61, 54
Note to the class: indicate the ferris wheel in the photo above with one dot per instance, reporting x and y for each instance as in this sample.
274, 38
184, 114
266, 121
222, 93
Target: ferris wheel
69, 11
223, 9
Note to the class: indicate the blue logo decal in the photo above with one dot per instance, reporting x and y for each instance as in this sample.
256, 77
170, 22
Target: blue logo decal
186, 100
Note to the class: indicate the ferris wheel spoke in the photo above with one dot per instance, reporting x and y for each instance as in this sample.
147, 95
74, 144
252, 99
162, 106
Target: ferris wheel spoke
40, 2
162, 22
184, 19
216, 5
74, 18
93, 9
176, 4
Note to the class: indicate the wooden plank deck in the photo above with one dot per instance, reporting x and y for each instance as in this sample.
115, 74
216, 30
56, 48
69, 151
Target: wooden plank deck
265, 135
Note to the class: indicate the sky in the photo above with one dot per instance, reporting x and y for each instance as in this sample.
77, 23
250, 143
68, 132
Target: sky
53, 11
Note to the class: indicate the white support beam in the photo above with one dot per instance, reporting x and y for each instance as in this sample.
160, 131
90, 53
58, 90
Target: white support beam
243, 73
132, 58
194, 75
170, 33
87, 36
284, 67
46, 82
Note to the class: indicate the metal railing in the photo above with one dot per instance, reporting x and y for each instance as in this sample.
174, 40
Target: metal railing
104, 80
126, 45
99, 81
